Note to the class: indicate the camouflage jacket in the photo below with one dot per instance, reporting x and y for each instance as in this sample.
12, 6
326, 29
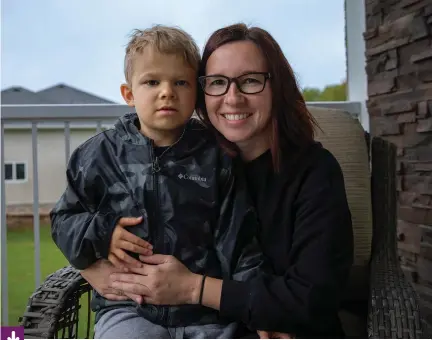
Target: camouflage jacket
194, 205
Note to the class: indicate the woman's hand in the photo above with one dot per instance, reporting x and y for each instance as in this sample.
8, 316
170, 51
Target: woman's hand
162, 280
274, 335
98, 274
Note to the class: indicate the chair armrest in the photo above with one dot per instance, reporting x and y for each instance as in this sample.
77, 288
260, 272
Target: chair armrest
54, 306
393, 306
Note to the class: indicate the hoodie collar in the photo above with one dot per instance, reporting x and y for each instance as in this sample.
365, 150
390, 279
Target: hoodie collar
127, 128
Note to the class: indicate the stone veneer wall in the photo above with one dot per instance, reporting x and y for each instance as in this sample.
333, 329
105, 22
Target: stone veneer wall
399, 68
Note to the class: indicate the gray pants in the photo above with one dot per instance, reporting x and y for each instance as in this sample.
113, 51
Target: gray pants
126, 323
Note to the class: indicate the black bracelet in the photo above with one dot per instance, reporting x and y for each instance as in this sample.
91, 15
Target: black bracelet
202, 289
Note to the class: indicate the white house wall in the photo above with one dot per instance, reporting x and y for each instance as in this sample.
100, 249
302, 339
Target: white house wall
51, 163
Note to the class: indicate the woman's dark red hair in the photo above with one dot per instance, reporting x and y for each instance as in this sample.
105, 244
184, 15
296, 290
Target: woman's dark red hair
292, 123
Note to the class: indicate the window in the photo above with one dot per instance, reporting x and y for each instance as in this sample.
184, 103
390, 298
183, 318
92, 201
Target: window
8, 172
15, 171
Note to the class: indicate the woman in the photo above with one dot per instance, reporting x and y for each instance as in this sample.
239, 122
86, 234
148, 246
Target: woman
252, 101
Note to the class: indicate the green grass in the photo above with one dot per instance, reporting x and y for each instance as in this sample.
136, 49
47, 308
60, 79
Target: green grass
21, 268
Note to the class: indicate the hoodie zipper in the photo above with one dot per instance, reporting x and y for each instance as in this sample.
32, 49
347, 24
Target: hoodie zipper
155, 166
155, 170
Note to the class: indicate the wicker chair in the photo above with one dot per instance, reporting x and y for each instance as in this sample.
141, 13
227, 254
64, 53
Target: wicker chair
389, 309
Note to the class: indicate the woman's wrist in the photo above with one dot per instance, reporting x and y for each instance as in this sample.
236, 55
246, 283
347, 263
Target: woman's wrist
193, 288
211, 292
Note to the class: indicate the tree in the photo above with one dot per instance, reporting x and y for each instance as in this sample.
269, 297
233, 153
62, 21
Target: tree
311, 94
334, 92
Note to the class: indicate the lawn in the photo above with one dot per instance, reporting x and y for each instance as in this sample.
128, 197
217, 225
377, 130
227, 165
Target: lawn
21, 278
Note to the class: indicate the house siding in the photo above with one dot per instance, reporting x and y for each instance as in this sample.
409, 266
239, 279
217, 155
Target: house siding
51, 164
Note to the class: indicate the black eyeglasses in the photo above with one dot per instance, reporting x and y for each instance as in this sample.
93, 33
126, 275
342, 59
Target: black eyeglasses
249, 83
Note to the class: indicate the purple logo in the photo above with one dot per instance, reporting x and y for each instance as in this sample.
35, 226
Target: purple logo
12, 333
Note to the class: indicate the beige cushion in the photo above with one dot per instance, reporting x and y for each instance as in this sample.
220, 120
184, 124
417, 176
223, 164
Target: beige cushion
344, 137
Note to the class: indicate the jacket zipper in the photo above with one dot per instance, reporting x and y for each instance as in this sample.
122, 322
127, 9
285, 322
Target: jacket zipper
155, 169
158, 244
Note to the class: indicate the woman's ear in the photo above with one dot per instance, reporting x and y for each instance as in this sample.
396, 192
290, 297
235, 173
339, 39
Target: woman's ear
127, 94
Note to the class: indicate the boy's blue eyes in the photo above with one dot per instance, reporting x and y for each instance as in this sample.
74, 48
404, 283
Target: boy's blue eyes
156, 82
150, 82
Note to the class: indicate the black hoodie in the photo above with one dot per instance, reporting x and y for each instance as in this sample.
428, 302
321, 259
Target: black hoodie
194, 208
306, 232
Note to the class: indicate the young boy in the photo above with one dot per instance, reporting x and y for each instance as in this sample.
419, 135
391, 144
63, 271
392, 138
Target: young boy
160, 175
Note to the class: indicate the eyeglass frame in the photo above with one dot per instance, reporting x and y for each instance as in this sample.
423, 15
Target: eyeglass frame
234, 80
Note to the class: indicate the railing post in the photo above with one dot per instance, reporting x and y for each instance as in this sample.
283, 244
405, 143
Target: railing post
67, 142
4, 270
355, 25
36, 222
99, 127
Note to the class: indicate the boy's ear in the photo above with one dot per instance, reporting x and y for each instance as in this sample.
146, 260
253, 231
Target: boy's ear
126, 92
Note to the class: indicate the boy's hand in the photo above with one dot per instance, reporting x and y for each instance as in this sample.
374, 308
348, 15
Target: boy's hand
124, 240
274, 335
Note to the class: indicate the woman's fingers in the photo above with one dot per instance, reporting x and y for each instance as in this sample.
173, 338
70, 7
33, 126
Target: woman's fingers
134, 297
134, 288
274, 335
279, 335
127, 296
137, 298
263, 334
129, 278
115, 297
120, 295
145, 269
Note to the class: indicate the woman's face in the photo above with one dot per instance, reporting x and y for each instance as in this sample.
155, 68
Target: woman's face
243, 119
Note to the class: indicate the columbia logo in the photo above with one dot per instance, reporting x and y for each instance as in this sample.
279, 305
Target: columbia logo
195, 178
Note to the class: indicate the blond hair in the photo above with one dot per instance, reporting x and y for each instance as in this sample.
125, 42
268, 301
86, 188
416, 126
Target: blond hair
165, 39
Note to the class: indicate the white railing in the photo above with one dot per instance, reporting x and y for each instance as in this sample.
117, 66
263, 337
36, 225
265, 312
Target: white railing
36, 117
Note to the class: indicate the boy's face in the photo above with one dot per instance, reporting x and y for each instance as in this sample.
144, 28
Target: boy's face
163, 91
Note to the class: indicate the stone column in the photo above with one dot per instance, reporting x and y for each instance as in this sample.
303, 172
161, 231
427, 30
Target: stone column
399, 69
